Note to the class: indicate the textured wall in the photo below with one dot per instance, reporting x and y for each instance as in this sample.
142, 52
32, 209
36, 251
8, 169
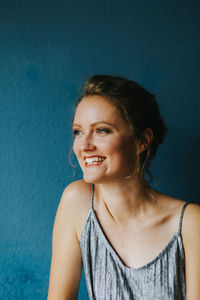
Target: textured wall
47, 49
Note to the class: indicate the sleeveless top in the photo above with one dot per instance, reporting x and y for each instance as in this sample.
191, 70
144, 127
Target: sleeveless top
107, 278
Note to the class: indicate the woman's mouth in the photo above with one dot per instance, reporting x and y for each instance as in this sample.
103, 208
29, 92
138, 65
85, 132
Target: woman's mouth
95, 160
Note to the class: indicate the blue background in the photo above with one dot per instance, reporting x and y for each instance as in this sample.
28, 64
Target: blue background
47, 50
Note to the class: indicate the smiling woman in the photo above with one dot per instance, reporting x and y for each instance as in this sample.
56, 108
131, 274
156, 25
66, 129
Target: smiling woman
133, 241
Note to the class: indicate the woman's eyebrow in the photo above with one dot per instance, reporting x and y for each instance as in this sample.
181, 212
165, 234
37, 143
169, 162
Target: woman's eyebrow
76, 125
97, 123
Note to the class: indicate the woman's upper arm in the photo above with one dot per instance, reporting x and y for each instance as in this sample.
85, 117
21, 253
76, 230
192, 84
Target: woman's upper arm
191, 241
66, 264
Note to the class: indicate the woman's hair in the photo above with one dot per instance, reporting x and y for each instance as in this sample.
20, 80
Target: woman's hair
137, 107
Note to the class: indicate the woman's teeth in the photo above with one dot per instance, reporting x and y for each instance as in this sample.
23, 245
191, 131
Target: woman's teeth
94, 160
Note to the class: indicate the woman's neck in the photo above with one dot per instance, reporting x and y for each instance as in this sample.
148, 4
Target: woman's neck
126, 199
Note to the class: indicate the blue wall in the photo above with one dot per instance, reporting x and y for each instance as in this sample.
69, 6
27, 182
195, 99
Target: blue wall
47, 50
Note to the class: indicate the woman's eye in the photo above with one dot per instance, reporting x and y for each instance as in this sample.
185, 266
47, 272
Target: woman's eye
76, 132
103, 130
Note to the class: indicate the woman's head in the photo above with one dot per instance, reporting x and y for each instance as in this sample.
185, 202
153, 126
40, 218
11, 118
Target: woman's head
137, 107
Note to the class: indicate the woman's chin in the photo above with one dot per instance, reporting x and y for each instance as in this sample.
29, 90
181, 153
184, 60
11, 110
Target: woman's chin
91, 178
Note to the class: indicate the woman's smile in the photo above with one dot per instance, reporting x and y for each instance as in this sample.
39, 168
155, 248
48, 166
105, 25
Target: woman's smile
103, 145
93, 160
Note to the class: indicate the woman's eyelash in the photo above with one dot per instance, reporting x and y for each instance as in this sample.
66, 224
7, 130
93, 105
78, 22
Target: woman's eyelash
76, 132
103, 130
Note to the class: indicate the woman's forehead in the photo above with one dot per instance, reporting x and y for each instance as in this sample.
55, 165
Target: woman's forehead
96, 108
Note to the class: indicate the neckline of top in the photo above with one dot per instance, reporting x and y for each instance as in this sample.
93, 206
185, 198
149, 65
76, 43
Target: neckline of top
160, 254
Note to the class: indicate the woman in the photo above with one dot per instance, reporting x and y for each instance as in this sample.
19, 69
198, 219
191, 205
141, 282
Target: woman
134, 242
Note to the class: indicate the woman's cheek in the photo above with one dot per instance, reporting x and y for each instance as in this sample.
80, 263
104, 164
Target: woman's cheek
75, 148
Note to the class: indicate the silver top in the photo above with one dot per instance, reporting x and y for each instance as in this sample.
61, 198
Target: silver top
108, 278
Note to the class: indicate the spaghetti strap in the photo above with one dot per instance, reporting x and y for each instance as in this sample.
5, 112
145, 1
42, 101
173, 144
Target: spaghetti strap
92, 196
181, 217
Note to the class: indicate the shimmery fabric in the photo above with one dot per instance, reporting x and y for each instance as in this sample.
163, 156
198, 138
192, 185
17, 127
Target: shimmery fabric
108, 278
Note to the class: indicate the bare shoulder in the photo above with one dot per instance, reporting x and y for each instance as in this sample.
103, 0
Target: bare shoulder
192, 214
76, 192
191, 224
76, 199
66, 273
191, 244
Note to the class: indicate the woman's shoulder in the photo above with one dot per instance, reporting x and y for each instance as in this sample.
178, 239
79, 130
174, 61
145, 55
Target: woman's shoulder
77, 189
191, 222
173, 208
76, 199
191, 211
191, 244
77, 195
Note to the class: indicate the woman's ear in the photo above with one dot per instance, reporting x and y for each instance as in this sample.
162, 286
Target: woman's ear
146, 140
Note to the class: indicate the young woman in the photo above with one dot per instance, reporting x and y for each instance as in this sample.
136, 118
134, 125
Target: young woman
133, 241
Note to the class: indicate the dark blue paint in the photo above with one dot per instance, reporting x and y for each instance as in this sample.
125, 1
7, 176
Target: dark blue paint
47, 50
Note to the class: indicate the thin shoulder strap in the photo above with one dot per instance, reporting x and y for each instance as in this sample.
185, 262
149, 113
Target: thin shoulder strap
181, 217
92, 196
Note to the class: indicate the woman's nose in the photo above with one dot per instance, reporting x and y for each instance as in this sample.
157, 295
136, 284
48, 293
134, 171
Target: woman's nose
87, 143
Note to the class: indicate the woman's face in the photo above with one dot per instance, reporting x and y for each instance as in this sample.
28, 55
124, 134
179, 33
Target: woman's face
103, 145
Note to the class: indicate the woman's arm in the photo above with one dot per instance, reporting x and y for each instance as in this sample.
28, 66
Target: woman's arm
66, 264
191, 241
